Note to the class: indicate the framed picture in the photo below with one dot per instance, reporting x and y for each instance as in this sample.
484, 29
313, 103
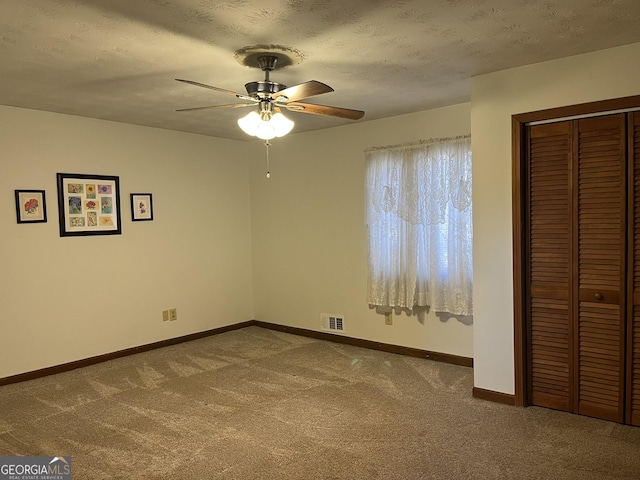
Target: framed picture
88, 204
141, 207
31, 206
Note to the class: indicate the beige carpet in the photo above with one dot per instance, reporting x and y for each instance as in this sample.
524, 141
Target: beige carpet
259, 404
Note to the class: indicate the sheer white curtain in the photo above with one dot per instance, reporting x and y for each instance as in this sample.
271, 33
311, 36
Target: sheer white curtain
418, 213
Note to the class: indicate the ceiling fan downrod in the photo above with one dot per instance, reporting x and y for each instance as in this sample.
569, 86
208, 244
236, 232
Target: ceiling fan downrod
267, 63
265, 88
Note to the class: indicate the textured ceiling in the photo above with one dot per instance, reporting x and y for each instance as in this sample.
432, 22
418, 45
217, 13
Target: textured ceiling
117, 59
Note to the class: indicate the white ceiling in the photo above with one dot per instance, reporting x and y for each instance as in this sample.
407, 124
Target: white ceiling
117, 59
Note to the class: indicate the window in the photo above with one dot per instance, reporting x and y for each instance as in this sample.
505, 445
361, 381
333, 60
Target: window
418, 214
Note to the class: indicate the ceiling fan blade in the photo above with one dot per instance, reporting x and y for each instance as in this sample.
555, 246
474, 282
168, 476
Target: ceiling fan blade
232, 105
303, 90
217, 89
325, 110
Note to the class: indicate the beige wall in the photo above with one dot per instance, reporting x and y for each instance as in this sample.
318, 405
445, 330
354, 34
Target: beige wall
495, 97
65, 299
309, 248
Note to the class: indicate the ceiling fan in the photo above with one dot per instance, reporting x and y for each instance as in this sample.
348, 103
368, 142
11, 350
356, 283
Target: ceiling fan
271, 97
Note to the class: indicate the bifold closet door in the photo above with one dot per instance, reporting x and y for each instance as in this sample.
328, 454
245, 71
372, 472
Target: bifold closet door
576, 273
600, 193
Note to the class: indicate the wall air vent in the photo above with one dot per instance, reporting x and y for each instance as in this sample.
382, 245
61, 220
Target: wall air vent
332, 323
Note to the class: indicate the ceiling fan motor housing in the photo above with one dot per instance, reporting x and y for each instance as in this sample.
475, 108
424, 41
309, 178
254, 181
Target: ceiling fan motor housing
263, 88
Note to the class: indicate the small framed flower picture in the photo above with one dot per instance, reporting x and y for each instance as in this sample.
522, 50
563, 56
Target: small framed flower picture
141, 207
31, 206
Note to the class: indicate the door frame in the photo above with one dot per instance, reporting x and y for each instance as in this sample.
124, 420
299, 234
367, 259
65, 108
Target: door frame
519, 123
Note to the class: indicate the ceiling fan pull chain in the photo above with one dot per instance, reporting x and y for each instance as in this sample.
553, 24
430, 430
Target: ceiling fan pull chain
266, 144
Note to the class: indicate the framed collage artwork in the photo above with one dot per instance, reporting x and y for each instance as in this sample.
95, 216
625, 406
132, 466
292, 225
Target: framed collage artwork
89, 204
31, 206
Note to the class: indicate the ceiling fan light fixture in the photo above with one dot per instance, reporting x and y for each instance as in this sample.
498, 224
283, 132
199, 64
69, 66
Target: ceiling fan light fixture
281, 124
249, 123
265, 127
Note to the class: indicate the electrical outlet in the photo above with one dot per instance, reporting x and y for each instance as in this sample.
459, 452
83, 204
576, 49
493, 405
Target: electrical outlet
173, 314
165, 315
388, 318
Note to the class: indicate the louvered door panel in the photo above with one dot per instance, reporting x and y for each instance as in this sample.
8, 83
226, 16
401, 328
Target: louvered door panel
601, 223
549, 279
634, 386
633, 364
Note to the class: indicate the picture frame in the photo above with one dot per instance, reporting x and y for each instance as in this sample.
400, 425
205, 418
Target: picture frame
31, 206
141, 207
88, 204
